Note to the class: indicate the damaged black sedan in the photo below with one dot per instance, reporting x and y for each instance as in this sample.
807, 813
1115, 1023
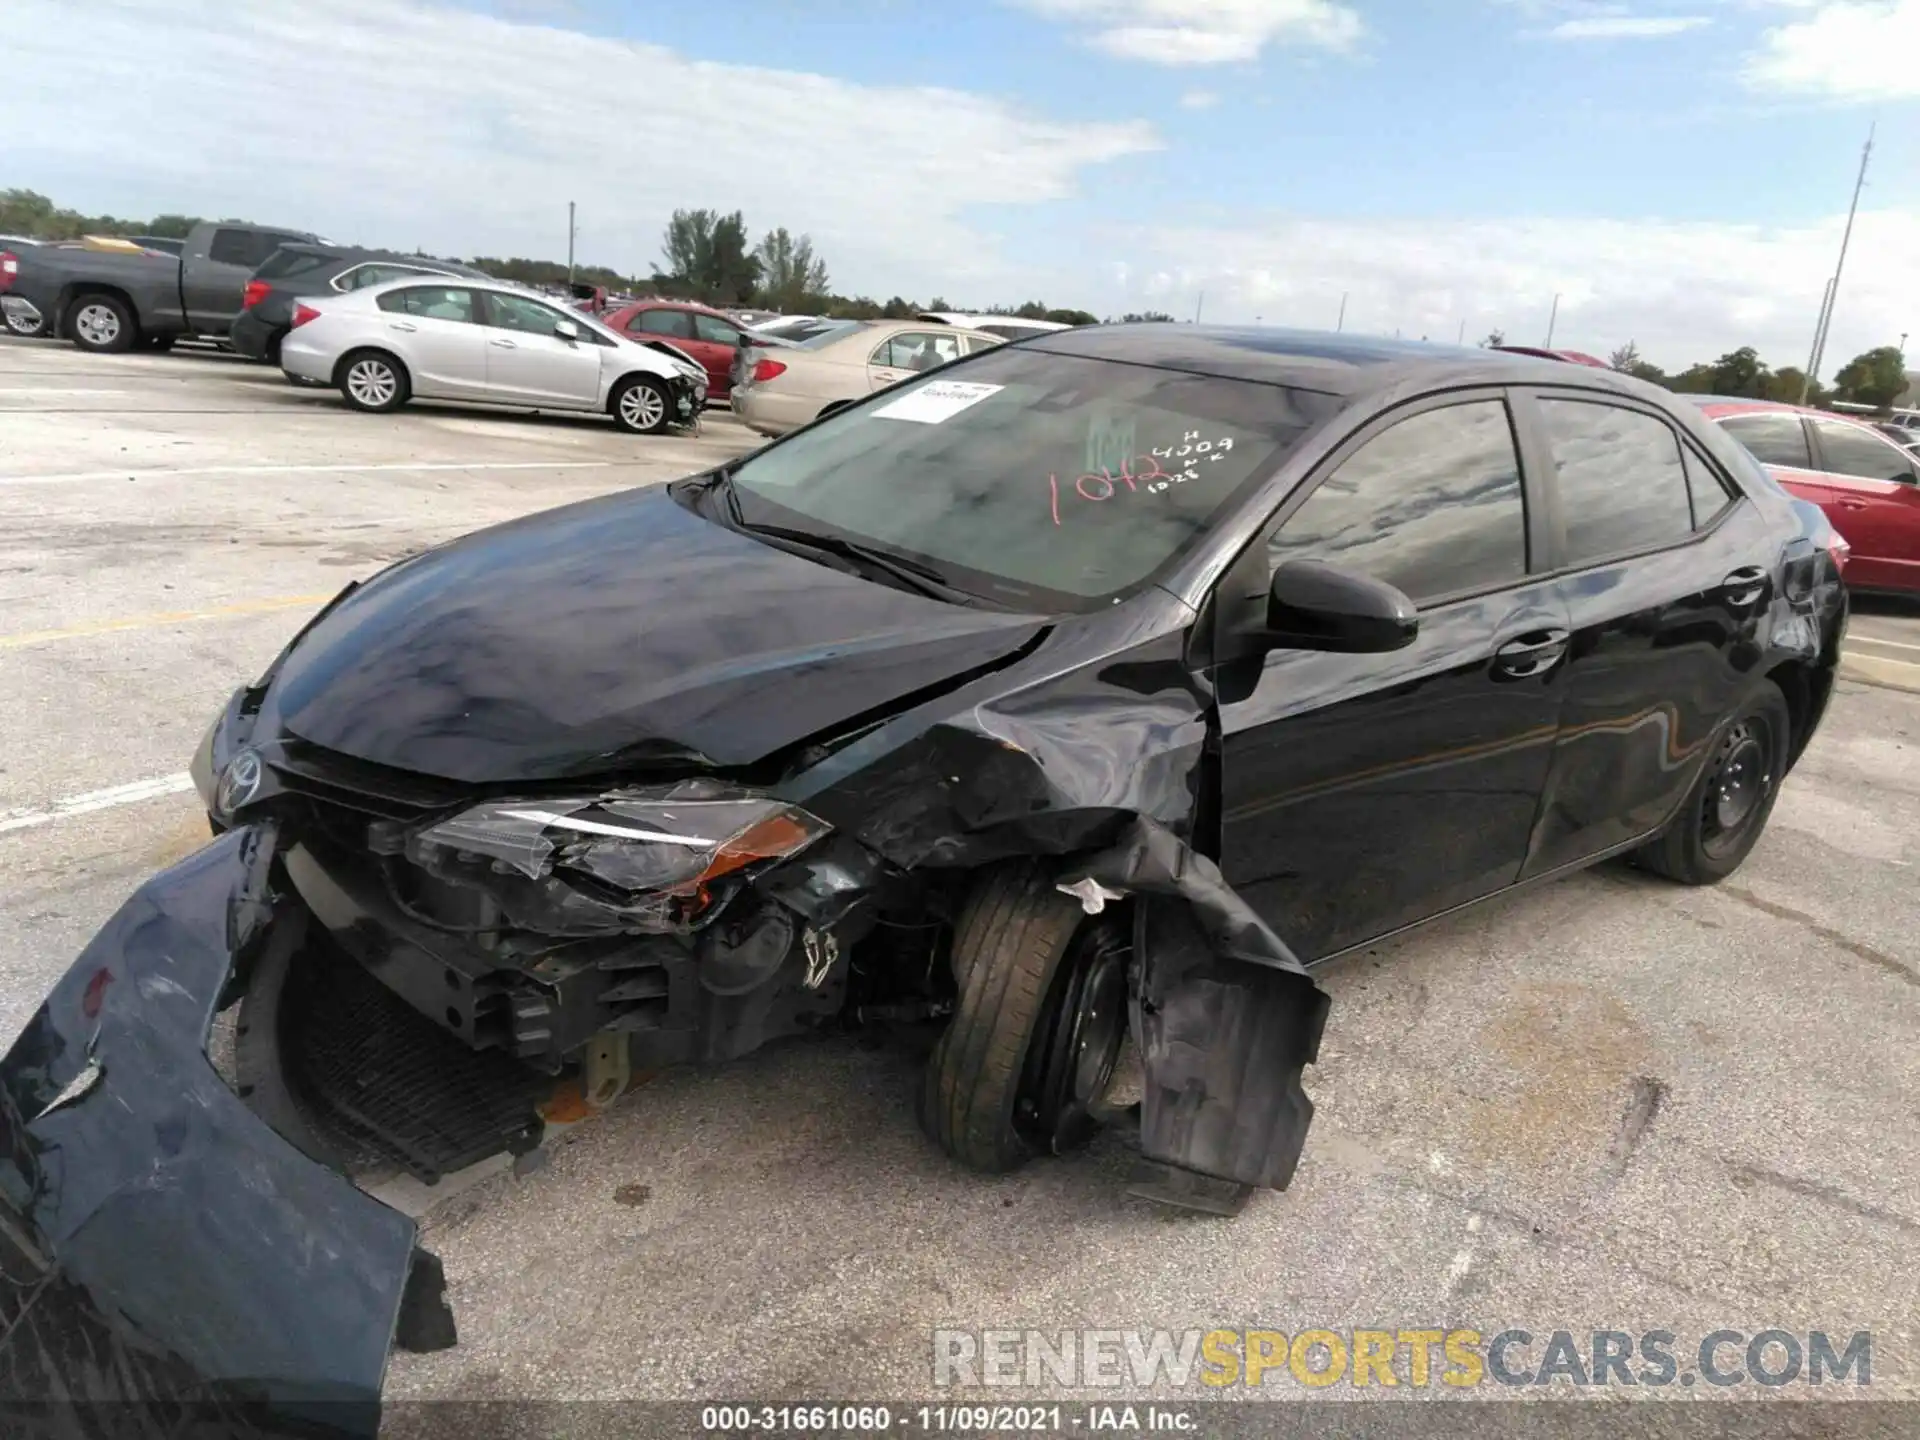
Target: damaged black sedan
1092, 687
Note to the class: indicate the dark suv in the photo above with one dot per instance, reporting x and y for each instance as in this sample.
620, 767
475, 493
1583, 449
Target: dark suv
295, 270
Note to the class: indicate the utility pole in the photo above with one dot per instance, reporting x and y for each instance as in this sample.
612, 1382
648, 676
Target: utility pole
1341, 323
1463, 334
1198, 305
572, 230
1833, 285
1553, 319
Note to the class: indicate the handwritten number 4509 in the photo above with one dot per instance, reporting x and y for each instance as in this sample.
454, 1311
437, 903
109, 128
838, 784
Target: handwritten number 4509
1152, 477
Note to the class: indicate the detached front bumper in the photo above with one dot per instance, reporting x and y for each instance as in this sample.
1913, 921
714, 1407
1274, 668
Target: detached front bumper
159, 1244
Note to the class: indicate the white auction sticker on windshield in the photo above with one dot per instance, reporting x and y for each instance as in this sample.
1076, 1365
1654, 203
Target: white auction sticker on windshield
937, 401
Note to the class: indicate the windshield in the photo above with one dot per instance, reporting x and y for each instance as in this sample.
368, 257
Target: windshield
1040, 481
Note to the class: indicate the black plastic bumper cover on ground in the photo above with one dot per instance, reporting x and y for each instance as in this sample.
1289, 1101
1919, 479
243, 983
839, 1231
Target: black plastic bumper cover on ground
169, 1264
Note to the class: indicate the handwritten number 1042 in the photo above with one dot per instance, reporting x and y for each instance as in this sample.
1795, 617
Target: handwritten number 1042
1102, 486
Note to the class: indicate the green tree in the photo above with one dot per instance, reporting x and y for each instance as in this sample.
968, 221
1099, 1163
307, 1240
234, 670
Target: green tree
1625, 358
1494, 337
709, 253
172, 227
1784, 386
792, 277
1874, 377
1146, 317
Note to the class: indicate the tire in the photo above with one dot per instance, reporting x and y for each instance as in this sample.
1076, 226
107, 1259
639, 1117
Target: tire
373, 381
640, 406
26, 329
103, 324
1702, 846
1012, 933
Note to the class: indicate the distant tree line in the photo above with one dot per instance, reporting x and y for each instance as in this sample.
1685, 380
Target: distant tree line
29, 213
1874, 377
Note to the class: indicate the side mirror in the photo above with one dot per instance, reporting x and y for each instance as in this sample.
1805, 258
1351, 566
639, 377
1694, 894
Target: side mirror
566, 329
1315, 606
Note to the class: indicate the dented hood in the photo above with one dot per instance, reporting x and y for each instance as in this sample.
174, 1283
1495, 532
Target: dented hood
613, 631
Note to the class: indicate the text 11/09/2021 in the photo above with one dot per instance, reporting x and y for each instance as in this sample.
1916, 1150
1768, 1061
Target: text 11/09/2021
945, 1419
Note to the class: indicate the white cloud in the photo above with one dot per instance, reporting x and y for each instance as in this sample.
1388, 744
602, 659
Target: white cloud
1852, 50
1199, 100
1204, 32
1627, 27
407, 123
1683, 291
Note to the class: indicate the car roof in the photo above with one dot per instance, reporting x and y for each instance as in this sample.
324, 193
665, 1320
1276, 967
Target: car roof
1343, 365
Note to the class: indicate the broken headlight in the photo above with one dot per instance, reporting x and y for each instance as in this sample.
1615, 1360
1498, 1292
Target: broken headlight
649, 859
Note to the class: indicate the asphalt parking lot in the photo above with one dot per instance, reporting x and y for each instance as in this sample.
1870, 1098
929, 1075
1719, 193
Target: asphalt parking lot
1610, 1103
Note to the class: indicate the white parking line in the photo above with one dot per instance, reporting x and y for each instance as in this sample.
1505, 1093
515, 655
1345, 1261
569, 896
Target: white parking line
1866, 639
61, 390
95, 800
78, 476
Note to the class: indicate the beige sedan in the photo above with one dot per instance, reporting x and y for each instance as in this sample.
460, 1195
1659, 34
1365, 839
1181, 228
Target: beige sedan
791, 385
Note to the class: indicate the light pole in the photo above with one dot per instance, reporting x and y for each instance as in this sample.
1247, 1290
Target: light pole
1833, 285
1553, 319
572, 230
1341, 323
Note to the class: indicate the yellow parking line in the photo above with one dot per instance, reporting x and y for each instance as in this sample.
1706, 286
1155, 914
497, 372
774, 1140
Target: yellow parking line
170, 617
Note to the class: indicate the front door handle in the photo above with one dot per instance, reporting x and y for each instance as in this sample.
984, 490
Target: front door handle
1744, 586
503, 344
1534, 653
1851, 504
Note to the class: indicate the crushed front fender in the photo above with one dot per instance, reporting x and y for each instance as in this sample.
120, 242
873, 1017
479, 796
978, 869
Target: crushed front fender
159, 1244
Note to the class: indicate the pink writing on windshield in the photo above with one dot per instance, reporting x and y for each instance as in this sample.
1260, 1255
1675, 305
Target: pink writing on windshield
1143, 471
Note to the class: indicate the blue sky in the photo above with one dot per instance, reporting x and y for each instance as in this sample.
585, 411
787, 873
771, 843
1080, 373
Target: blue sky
1676, 170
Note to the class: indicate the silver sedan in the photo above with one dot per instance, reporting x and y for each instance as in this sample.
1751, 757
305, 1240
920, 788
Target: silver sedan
432, 339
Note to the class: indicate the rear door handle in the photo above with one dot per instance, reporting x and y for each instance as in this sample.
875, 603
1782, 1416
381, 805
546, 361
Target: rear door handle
402, 325
1744, 586
504, 344
1851, 504
1534, 653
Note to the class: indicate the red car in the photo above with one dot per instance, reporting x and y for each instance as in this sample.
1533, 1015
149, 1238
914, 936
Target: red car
1868, 486
706, 335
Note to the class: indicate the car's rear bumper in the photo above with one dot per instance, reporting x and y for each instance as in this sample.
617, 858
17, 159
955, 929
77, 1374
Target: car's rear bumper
304, 361
159, 1244
253, 336
772, 413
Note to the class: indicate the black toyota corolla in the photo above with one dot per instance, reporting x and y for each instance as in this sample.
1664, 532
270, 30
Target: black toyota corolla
1091, 688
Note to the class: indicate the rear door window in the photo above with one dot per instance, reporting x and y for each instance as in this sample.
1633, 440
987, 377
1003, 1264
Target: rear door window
676, 324
432, 302
1432, 506
1772, 439
246, 247
917, 350
1623, 486
1849, 450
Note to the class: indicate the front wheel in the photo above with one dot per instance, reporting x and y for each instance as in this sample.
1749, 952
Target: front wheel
103, 323
1037, 1027
1727, 809
640, 406
373, 381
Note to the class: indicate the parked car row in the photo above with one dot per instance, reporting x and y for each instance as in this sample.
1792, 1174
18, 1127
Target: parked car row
110, 300
779, 390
